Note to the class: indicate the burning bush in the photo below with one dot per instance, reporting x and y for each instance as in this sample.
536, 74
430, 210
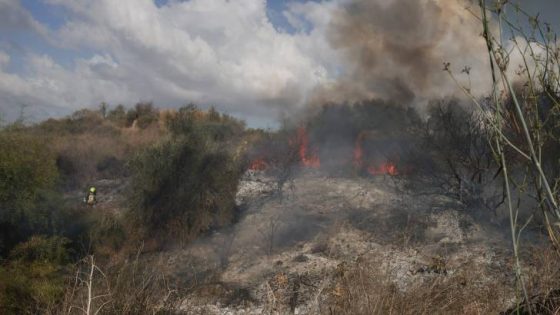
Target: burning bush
367, 138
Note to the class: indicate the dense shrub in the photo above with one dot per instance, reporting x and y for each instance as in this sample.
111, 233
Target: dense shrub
183, 185
27, 172
26, 166
186, 183
80, 122
33, 281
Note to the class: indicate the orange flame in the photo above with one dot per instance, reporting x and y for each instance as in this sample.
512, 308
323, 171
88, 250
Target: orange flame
258, 165
385, 168
308, 159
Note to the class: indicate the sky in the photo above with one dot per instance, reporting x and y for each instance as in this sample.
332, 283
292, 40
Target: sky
255, 59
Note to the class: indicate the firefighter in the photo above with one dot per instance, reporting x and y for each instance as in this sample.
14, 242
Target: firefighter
91, 198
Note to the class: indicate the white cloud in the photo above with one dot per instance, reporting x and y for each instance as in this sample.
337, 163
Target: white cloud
218, 52
212, 52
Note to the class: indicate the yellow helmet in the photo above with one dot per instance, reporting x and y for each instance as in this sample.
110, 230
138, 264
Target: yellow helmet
92, 189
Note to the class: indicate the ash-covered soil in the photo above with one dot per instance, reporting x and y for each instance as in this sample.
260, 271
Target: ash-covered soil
287, 255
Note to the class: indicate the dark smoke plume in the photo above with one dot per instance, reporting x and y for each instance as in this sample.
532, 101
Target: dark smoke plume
395, 49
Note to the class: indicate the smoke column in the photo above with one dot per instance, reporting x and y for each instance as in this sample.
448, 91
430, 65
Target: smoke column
395, 50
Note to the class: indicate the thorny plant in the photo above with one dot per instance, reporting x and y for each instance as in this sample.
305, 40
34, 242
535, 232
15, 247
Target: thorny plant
523, 118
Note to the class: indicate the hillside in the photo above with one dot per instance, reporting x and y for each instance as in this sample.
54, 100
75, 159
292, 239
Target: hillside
348, 246
196, 214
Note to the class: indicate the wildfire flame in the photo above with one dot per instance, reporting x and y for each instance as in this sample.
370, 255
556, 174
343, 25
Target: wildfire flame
385, 168
358, 160
308, 159
258, 165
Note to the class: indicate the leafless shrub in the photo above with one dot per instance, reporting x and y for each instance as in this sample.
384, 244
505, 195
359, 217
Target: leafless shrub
90, 291
129, 288
461, 161
268, 232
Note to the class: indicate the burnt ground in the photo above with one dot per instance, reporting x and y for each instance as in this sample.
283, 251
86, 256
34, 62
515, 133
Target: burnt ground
285, 254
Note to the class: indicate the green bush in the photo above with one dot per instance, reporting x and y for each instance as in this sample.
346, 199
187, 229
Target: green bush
33, 281
28, 172
186, 184
182, 185
26, 166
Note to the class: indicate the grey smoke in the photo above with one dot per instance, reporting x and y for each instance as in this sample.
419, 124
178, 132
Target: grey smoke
395, 49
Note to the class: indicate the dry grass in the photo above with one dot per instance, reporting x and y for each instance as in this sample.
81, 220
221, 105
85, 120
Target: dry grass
363, 289
135, 138
542, 278
84, 152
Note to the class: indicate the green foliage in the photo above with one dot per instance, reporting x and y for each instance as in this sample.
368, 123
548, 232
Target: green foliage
186, 184
33, 280
28, 172
183, 185
26, 166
